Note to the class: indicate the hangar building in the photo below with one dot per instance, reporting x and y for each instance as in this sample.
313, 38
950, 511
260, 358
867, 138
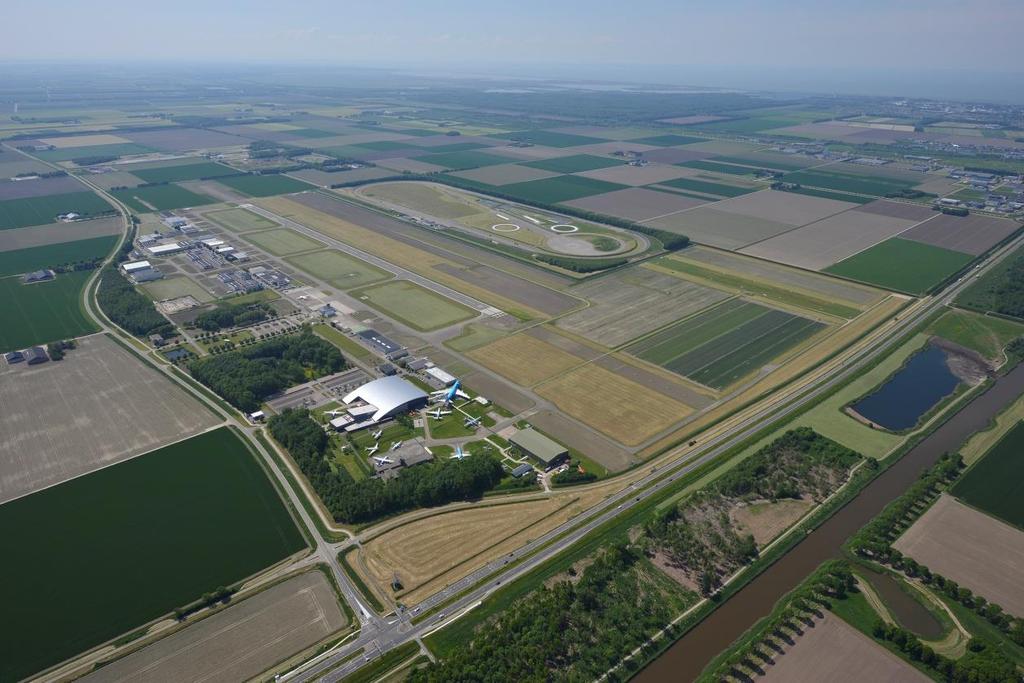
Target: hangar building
533, 443
389, 395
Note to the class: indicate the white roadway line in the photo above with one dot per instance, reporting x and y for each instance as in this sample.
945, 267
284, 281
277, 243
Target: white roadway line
479, 306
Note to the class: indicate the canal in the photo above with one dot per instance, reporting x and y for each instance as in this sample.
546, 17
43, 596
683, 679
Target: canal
685, 660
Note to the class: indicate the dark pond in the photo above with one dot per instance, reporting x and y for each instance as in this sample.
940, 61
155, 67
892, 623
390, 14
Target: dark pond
899, 403
908, 612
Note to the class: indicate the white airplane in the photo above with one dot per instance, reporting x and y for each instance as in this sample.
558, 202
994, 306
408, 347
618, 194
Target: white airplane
459, 454
437, 413
396, 445
472, 422
377, 434
373, 449
334, 413
381, 460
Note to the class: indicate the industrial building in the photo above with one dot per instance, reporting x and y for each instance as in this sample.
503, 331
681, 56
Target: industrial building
164, 249
408, 454
132, 266
389, 396
379, 342
534, 444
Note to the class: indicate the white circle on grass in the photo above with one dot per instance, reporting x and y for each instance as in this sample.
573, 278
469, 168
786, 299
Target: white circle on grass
566, 228
504, 227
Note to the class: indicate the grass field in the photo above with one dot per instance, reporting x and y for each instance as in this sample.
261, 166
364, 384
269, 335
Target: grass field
574, 163
42, 312
561, 188
921, 266
987, 335
878, 186
983, 294
68, 153
994, 484
708, 187
34, 258
731, 169
161, 198
768, 161
826, 194
173, 174
282, 241
158, 532
340, 269
20, 213
413, 305
669, 140
173, 287
348, 346
264, 185
549, 138
721, 345
455, 161
240, 220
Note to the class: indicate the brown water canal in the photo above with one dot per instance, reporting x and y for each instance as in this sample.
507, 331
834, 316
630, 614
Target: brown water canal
685, 660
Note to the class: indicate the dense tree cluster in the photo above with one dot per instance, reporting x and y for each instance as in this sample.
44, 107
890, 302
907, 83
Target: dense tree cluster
982, 663
1007, 290
581, 265
572, 476
246, 377
127, 307
232, 315
566, 632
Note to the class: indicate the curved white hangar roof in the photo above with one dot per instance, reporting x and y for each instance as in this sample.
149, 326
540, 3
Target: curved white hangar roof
387, 394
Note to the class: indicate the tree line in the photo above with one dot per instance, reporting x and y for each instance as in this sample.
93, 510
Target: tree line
233, 315
123, 304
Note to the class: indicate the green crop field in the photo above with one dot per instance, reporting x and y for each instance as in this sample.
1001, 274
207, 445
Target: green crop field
161, 198
721, 345
826, 194
795, 165
413, 305
455, 147
240, 220
21, 213
338, 268
117, 149
383, 146
109, 551
561, 188
172, 174
42, 312
310, 133
282, 241
669, 140
994, 484
574, 163
264, 185
751, 125
47, 256
454, 161
986, 334
920, 266
710, 188
874, 185
549, 138
731, 169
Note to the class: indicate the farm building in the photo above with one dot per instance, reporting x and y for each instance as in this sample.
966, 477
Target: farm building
36, 355
521, 470
14, 357
389, 395
536, 445
38, 276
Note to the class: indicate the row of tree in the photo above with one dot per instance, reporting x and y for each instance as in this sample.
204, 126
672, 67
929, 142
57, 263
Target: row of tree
227, 315
127, 307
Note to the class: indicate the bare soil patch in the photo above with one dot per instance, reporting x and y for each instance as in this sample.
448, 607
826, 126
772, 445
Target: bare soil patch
972, 234
766, 519
635, 203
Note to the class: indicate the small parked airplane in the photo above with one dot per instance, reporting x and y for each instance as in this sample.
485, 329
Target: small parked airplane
381, 460
335, 413
437, 413
459, 454
396, 445
471, 422
377, 434
373, 449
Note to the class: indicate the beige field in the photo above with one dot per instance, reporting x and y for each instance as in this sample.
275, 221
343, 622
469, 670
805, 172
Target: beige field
84, 140
417, 260
620, 408
524, 359
975, 550
766, 520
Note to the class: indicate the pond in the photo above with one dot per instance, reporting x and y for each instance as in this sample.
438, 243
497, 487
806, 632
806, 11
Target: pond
908, 612
914, 390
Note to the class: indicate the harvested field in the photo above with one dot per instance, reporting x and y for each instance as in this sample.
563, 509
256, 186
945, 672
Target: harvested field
975, 550
525, 359
708, 187
109, 181
599, 448
240, 642
186, 139
339, 269
765, 520
21, 213
823, 243
178, 494
62, 420
549, 138
635, 203
504, 174
72, 153
413, 305
34, 258
559, 189
497, 390
55, 233
174, 287
39, 187
836, 652
160, 198
282, 241
239, 220
529, 294
972, 234
628, 304
401, 165
637, 175
922, 266
913, 212
11, 165
574, 163
179, 172
661, 382
328, 178
42, 312
676, 155
783, 207
83, 140
669, 140
718, 228
994, 484
624, 410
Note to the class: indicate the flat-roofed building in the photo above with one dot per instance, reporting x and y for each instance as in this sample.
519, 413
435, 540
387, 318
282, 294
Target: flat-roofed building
548, 452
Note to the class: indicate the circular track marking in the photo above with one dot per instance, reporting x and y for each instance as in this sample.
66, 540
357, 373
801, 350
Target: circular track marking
565, 228
505, 227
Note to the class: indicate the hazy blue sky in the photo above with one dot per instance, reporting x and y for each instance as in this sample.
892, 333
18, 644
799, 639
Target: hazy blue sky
905, 35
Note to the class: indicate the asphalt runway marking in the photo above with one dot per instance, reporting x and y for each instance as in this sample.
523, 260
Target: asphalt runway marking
571, 228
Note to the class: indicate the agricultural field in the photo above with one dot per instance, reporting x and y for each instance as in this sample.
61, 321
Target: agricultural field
179, 172
160, 198
971, 234
39, 187
708, 187
526, 359
922, 266
122, 149
42, 312
178, 492
20, 213
636, 203
574, 163
986, 334
876, 185
993, 485
413, 305
47, 256
174, 287
264, 185
721, 345
977, 551
504, 174
240, 220
457, 161
64, 419
558, 189
549, 138
721, 229
339, 269
282, 241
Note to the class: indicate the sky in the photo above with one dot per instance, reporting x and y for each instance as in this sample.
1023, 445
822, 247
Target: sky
653, 40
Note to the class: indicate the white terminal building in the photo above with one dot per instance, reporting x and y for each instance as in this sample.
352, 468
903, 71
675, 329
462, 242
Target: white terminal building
388, 396
134, 266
